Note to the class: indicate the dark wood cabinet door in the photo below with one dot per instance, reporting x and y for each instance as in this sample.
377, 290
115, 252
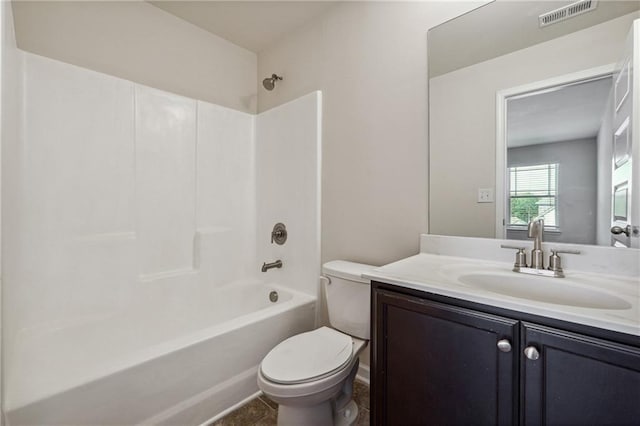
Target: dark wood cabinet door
436, 364
578, 380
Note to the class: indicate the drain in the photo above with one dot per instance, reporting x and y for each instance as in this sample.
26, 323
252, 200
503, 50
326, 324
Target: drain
273, 296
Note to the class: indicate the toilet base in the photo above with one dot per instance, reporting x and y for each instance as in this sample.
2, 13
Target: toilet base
337, 410
317, 415
347, 416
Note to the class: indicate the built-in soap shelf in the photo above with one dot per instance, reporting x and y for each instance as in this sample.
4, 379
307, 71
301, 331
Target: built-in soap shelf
166, 275
106, 237
204, 240
209, 240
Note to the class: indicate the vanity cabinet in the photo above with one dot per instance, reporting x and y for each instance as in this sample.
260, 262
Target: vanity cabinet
578, 380
439, 364
436, 363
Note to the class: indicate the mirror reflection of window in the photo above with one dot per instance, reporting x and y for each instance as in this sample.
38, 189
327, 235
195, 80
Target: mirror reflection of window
533, 192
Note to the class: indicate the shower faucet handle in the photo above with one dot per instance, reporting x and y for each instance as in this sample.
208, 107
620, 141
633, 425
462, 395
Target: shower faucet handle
279, 234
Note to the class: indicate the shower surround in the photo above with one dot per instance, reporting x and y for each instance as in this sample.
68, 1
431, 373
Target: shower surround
135, 225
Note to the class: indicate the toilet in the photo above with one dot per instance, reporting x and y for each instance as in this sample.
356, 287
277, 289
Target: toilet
310, 375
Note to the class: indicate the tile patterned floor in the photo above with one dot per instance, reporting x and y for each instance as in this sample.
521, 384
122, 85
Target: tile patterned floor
263, 412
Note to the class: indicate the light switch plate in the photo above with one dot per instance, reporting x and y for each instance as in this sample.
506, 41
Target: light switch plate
485, 195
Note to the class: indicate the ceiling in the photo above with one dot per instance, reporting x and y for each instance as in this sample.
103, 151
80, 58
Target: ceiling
572, 112
505, 26
253, 25
500, 27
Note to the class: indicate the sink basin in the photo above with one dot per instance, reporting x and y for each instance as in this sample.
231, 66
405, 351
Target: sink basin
558, 291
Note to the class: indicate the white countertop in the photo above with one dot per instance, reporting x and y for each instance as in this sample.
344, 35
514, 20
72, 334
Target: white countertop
440, 275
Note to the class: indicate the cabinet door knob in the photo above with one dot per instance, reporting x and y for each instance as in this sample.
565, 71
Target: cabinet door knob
504, 345
531, 353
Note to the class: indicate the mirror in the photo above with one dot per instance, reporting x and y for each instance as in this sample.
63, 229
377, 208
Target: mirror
555, 140
517, 115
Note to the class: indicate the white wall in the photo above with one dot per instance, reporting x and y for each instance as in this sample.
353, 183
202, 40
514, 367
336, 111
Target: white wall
142, 43
10, 67
369, 59
288, 149
462, 120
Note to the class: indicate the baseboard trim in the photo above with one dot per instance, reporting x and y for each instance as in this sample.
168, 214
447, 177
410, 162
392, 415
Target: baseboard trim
363, 374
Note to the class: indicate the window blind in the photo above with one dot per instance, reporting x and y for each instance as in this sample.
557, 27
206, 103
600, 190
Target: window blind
533, 192
540, 180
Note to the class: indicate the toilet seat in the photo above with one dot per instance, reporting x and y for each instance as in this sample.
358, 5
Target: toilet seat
308, 357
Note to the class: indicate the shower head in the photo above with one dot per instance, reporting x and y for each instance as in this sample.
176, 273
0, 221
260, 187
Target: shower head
270, 82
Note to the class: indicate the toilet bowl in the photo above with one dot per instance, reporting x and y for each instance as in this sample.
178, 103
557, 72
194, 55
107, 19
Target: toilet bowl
311, 375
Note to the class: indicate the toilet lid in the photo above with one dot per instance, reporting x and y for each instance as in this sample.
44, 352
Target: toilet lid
307, 356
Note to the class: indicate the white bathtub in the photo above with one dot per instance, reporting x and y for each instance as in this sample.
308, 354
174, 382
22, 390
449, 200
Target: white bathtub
178, 363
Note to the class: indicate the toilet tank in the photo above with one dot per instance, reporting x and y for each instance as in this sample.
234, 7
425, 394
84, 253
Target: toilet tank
348, 297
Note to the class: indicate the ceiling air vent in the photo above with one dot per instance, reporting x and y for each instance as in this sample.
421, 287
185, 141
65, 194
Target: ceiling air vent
566, 12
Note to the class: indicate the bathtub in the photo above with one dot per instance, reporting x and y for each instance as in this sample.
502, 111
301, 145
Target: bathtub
180, 363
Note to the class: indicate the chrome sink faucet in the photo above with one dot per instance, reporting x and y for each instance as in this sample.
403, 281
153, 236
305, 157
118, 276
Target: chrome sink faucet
535, 231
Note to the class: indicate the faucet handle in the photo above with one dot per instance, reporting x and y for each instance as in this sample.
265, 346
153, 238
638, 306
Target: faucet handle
521, 256
555, 262
564, 251
512, 247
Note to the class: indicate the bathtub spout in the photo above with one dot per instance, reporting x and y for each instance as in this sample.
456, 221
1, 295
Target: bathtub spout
267, 266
